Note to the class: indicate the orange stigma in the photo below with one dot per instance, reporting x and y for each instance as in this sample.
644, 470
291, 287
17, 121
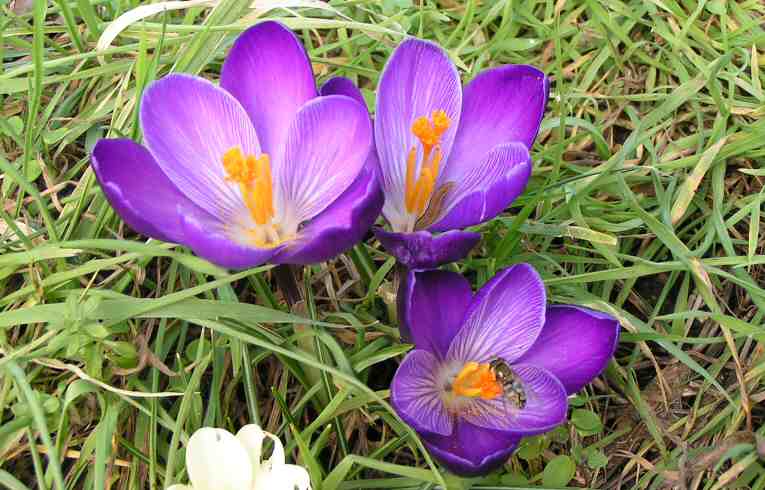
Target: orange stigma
477, 380
419, 190
254, 178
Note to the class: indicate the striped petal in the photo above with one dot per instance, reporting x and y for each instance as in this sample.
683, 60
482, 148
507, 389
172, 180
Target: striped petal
269, 72
418, 79
481, 192
575, 345
545, 407
327, 146
416, 395
138, 190
504, 319
189, 124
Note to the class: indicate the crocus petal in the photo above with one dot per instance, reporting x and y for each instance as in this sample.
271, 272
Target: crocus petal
341, 225
251, 437
344, 222
423, 250
482, 192
416, 396
208, 239
178, 486
545, 408
284, 477
269, 72
418, 79
575, 345
471, 450
277, 454
504, 319
216, 460
138, 190
327, 146
189, 124
342, 86
501, 105
431, 307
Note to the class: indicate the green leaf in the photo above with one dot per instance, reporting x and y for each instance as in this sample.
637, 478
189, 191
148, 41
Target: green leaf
558, 472
520, 44
531, 448
597, 460
586, 420
514, 479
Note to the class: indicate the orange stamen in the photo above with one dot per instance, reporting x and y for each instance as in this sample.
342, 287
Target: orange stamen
418, 191
477, 380
253, 174
411, 164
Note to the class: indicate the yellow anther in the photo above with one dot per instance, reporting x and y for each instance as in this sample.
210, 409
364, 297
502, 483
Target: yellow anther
477, 380
253, 174
423, 130
418, 190
441, 122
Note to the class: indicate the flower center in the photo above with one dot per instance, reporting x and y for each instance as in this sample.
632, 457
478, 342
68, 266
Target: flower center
419, 189
253, 175
477, 380
254, 178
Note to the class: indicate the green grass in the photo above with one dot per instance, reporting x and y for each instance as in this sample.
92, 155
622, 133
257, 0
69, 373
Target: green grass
645, 203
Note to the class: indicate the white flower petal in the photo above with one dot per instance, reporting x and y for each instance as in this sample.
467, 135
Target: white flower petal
284, 477
251, 437
277, 456
216, 460
178, 486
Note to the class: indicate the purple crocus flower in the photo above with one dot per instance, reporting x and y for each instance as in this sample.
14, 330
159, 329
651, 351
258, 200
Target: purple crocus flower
264, 168
450, 158
492, 368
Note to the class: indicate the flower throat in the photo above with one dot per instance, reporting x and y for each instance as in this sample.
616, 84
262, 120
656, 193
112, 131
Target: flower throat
253, 174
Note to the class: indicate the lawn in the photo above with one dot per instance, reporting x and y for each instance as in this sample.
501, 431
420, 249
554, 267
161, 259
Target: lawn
644, 203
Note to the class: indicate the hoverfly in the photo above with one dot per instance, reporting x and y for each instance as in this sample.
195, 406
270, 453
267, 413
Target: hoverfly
512, 387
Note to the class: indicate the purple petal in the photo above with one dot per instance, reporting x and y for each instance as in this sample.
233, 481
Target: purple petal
418, 79
138, 190
545, 408
269, 72
575, 345
431, 307
327, 146
501, 105
471, 450
208, 239
341, 225
416, 397
342, 86
482, 192
504, 319
189, 124
423, 250
346, 220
